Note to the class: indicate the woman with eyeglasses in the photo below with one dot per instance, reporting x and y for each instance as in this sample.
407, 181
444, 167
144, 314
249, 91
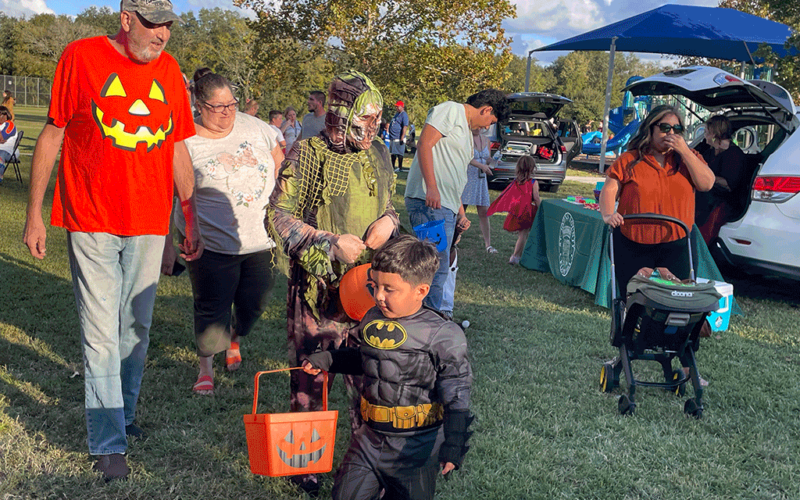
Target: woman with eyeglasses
234, 157
659, 174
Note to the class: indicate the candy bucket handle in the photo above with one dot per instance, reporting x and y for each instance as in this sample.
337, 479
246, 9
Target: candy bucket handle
324, 386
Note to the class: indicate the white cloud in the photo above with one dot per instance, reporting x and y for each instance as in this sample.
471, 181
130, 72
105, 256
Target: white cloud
24, 8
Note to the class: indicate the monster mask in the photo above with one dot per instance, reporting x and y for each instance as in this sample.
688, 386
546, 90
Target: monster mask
354, 112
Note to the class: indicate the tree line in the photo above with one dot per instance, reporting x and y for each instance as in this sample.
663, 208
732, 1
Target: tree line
420, 51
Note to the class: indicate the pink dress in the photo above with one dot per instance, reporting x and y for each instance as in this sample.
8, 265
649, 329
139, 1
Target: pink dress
516, 200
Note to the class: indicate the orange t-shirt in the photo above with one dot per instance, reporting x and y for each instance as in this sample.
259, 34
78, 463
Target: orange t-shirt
121, 121
650, 188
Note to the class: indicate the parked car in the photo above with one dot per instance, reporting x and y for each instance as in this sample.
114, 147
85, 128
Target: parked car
764, 237
533, 128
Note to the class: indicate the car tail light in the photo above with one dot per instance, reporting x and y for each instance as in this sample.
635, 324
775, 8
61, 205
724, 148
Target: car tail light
494, 146
563, 148
775, 189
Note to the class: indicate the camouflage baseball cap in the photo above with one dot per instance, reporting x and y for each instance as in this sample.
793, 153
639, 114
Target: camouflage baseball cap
155, 11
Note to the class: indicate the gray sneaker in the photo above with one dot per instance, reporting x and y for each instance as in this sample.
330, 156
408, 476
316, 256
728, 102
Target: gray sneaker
113, 467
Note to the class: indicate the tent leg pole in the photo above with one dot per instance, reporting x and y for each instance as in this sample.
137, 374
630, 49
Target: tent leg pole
609, 82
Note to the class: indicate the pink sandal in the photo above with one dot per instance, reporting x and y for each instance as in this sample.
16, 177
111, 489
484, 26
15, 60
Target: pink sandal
203, 384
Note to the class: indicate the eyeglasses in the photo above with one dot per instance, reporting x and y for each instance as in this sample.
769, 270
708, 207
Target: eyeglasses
219, 108
665, 127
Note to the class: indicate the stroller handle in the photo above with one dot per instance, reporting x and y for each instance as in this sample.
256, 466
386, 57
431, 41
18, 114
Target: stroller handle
649, 216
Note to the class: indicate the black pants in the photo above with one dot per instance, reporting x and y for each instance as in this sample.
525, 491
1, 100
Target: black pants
405, 466
230, 294
399, 159
630, 256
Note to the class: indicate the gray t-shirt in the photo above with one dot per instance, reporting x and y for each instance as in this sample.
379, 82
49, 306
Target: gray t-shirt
451, 155
313, 125
234, 177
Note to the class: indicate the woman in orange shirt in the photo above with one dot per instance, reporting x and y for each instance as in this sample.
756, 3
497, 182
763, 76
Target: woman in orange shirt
658, 174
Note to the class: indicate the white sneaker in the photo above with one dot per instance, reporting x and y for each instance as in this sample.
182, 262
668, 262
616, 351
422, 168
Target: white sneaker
514, 260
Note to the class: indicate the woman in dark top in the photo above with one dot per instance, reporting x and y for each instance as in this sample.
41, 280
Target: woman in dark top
727, 161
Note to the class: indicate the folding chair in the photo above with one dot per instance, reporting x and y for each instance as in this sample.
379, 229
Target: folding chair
14, 160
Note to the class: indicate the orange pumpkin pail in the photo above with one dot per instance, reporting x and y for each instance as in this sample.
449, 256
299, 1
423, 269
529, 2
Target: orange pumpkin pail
287, 444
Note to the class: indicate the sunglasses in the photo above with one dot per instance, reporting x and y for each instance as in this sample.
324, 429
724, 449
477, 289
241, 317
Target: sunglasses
665, 127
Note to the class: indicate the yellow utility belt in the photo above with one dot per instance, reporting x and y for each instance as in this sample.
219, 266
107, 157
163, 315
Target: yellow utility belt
403, 417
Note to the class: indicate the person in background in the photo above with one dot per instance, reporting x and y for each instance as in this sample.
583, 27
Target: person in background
331, 208
290, 128
234, 156
114, 197
8, 139
384, 134
659, 174
438, 173
314, 120
476, 192
250, 107
521, 200
8, 102
275, 121
397, 135
727, 161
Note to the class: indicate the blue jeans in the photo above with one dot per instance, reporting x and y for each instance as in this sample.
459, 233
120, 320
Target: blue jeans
114, 279
419, 213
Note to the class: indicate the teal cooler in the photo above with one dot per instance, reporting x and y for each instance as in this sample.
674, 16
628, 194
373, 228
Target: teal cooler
721, 318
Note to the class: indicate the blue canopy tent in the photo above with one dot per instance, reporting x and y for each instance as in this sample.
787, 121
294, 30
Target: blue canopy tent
685, 30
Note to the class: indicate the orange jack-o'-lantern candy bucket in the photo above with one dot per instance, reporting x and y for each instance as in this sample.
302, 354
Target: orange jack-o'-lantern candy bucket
354, 292
288, 444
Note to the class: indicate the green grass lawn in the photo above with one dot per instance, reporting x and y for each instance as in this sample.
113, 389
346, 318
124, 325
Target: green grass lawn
543, 428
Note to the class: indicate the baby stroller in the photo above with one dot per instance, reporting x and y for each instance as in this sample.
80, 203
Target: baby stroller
659, 321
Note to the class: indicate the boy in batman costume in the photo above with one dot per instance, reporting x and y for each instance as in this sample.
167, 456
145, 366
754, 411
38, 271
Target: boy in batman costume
416, 383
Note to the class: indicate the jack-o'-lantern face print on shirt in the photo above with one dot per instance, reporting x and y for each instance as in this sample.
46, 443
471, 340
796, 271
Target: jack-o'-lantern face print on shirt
131, 113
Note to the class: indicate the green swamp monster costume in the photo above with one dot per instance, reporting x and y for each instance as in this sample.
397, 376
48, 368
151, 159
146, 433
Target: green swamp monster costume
338, 183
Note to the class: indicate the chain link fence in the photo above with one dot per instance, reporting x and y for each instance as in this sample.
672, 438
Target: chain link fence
28, 90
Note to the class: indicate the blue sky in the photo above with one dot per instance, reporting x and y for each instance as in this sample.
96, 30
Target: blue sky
538, 23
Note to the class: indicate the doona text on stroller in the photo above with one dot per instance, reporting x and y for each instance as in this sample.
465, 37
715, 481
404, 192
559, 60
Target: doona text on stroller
659, 321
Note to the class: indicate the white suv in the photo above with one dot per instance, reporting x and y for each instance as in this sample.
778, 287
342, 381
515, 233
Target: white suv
764, 237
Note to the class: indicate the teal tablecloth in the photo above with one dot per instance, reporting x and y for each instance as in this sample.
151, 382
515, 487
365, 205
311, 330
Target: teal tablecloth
571, 242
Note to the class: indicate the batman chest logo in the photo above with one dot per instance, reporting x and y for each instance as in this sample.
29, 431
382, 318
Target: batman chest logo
382, 334
148, 115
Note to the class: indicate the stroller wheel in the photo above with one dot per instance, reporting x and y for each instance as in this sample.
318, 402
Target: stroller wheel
690, 408
626, 407
607, 382
681, 389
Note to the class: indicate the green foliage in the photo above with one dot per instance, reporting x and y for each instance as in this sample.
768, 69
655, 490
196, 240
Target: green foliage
582, 76
420, 51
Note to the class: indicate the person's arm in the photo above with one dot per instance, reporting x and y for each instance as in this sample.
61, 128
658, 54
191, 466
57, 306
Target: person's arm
311, 248
453, 388
482, 166
702, 176
462, 222
183, 176
608, 200
536, 199
345, 360
403, 133
44, 157
277, 157
430, 136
